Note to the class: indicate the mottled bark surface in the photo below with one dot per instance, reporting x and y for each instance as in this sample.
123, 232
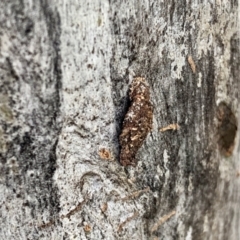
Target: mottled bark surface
65, 71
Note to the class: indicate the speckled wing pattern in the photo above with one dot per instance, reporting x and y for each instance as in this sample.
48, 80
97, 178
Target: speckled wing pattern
137, 122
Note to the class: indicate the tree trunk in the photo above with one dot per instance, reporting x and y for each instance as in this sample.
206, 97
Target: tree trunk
66, 68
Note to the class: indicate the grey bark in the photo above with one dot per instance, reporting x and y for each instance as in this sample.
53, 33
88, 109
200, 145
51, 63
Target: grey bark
65, 69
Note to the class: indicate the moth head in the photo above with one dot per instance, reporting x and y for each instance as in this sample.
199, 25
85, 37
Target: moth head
139, 89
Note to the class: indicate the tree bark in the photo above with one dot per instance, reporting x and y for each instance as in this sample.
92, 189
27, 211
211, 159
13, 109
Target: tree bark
66, 68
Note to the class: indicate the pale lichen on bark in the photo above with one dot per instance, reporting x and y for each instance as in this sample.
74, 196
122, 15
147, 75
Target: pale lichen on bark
75, 187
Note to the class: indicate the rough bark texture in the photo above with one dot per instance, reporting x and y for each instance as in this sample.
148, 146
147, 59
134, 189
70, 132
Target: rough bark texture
65, 71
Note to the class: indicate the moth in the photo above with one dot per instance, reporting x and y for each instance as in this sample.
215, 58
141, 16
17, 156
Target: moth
137, 122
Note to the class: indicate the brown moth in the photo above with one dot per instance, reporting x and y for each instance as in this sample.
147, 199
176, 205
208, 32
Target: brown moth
137, 122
